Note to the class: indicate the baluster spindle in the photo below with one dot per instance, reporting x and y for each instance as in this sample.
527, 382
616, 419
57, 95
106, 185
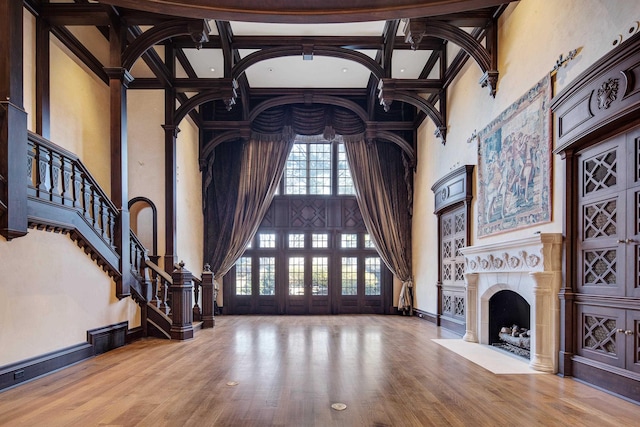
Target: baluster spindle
86, 206
196, 294
43, 181
31, 177
104, 208
67, 193
78, 195
97, 212
164, 294
56, 166
154, 283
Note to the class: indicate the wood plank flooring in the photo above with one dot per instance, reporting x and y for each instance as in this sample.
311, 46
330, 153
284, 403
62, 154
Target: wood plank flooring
289, 370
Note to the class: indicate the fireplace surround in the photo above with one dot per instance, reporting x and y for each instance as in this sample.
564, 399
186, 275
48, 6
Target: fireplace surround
531, 267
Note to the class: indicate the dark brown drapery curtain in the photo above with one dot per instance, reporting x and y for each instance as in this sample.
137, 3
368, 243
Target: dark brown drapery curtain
241, 179
241, 199
384, 192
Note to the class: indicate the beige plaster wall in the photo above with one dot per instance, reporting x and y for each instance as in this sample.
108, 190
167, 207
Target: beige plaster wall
80, 113
189, 217
533, 33
51, 293
145, 137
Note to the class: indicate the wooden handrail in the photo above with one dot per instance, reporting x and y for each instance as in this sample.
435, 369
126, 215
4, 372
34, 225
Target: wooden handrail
160, 272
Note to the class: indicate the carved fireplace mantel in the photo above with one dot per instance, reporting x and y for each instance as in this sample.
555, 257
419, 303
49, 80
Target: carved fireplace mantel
531, 267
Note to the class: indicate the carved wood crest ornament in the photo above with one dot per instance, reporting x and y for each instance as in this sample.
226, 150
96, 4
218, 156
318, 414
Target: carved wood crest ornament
607, 93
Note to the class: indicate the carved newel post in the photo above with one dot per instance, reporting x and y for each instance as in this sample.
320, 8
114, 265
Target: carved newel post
208, 298
181, 303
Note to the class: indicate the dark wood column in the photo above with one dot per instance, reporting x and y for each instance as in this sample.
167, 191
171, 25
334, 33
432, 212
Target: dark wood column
170, 169
43, 74
13, 123
119, 79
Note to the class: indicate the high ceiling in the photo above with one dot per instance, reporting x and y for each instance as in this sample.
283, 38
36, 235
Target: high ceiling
368, 53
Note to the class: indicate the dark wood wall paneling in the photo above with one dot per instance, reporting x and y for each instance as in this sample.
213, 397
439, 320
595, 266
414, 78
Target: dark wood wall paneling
603, 102
453, 194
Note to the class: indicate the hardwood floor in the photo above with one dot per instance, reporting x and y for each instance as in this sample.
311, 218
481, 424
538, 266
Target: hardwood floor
289, 370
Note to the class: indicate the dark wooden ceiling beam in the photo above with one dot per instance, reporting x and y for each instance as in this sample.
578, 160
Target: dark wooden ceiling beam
68, 14
294, 11
263, 42
271, 92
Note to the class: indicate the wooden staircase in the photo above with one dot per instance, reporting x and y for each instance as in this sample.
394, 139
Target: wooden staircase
63, 197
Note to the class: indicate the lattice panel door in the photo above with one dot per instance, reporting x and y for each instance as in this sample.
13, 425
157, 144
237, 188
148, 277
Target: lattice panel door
599, 338
602, 224
453, 237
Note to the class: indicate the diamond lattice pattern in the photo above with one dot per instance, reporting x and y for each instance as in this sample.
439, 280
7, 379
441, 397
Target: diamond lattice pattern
600, 267
600, 172
600, 219
600, 334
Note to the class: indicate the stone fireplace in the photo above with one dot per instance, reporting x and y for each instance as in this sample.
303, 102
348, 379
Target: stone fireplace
530, 267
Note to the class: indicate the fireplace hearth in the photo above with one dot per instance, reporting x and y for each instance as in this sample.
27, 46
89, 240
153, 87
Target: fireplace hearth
509, 318
530, 269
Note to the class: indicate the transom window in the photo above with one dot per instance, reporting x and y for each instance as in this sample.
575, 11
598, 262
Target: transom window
311, 169
296, 240
319, 240
267, 240
348, 241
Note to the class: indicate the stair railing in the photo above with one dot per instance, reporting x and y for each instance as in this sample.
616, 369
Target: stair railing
58, 176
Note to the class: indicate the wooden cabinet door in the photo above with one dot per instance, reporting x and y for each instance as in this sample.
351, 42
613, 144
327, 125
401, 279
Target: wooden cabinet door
601, 223
598, 334
632, 237
632, 334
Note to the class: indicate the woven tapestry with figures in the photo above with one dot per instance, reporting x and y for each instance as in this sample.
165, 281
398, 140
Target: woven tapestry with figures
514, 165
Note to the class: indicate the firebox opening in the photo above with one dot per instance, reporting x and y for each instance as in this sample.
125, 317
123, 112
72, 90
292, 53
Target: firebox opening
508, 311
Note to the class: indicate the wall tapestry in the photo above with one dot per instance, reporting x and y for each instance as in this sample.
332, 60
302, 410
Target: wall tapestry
514, 165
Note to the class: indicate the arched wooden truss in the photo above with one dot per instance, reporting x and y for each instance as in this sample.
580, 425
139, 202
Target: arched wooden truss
197, 29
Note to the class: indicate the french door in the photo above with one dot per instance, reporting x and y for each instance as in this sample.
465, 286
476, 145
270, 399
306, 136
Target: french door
297, 273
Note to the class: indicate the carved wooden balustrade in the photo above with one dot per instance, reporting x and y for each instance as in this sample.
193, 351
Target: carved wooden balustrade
65, 197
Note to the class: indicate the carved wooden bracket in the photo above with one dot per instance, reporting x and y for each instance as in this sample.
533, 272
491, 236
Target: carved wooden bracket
229, 94
197, 29
119, 73
390, 90
416, 29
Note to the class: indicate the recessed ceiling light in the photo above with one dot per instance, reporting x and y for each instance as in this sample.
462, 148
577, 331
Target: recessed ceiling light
345, 69
212, 69
402, 70
270, 69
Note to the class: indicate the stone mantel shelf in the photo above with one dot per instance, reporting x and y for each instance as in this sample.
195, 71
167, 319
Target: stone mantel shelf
536, 253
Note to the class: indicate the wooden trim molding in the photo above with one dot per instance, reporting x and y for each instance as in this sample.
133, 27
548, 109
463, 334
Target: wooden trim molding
424, 315
26, 370
455, 187
602, 101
